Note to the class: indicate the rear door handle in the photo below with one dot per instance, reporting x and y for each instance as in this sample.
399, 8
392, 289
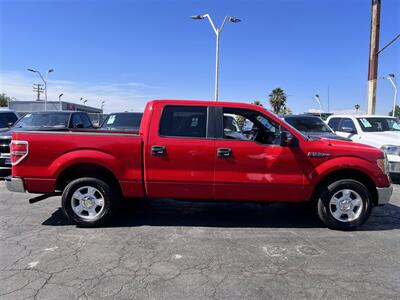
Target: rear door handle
158, 150
224, 152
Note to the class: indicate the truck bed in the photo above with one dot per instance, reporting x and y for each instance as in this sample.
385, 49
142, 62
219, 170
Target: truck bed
54, 152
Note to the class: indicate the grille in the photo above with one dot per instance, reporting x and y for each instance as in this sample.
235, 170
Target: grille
5, 145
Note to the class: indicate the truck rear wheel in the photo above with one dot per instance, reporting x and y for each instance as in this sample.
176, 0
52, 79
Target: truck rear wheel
89, 202
344, 204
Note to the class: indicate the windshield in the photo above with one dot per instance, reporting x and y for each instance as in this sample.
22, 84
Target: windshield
40, 120
308, 124
379, 124
123, 121
6, 119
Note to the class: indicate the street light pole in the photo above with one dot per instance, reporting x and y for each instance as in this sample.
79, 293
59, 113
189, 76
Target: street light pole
217, 33
392, 80
45, 84
316, 97
59, 100
216, 66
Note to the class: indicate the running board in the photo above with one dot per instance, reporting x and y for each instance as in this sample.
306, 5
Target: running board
43, 197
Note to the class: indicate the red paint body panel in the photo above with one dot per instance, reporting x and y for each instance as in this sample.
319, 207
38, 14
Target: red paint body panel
187, 171
259, 172
39, 185
191, 168
50, 153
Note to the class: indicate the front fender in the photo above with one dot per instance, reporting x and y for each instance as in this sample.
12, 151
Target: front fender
348, 163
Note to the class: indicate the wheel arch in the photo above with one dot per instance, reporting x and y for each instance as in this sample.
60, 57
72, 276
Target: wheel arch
347, 174
80, 170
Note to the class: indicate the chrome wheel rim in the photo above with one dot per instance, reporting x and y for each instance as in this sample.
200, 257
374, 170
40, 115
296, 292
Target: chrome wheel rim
346, 205
87, 202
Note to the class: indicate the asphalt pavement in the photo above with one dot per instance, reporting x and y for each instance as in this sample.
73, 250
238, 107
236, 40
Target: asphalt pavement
167, 249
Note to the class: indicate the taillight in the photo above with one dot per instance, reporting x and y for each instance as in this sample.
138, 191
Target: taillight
19, 150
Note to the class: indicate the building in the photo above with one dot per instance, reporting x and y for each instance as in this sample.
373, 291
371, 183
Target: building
323, 115
24, 107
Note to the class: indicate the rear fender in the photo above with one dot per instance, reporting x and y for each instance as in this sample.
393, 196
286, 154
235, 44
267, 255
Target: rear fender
86, 157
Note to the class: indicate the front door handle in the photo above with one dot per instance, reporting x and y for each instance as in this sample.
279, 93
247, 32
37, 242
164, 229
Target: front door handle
158, 150
224, 152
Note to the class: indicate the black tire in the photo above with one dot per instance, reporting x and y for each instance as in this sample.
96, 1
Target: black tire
107, 210
325, 212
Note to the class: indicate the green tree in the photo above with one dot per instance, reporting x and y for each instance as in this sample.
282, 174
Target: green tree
277, 99
4, 100
257, 102
396, 111
285, 111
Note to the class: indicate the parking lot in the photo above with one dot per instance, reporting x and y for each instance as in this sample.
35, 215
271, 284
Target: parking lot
184, 250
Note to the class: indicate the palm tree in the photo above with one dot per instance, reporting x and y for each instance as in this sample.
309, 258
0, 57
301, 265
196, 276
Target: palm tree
285, 111
396, 111
277, 99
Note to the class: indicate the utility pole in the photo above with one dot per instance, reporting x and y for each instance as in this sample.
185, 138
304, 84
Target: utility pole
38, 88
373, 55
45, 83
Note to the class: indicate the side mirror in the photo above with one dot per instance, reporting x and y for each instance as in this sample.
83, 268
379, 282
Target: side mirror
10, 124
287, 139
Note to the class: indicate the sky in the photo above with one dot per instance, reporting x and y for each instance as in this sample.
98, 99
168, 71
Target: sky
129, 52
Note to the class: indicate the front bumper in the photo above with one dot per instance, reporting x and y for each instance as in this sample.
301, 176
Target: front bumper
15, 184
394, 167
384, 195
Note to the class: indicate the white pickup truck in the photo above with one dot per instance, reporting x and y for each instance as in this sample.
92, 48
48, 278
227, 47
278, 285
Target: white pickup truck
382, 132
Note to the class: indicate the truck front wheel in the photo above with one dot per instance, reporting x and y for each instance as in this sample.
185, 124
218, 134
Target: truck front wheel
344, 204
89, 202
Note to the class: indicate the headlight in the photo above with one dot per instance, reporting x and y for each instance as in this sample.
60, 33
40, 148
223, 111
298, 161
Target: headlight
391, 149
383, 164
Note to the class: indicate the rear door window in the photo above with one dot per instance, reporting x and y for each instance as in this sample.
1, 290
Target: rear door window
75, 120
184, 121
86, 121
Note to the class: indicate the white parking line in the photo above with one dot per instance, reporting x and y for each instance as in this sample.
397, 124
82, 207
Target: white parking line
33, 264
51, 248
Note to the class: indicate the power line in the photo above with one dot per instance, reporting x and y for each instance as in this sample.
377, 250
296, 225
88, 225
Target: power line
388, 44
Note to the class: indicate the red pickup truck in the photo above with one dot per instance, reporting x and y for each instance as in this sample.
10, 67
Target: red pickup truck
201, 150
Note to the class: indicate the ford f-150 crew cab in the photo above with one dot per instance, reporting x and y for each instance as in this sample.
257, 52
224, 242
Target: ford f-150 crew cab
189, 150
